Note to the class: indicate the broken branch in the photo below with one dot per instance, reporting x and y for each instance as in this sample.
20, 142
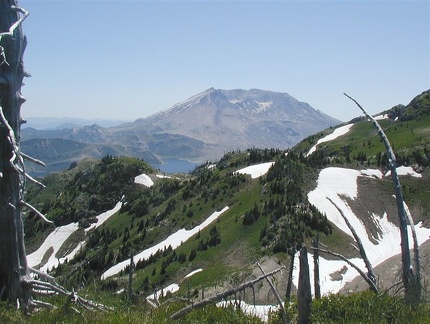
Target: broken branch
359, 243
223, 295
365, 277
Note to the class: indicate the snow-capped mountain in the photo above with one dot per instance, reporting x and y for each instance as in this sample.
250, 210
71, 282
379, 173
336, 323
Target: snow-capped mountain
230, 119
204, 127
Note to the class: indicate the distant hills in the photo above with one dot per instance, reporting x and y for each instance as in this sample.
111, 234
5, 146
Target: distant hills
201, 128
43, 123
271, 200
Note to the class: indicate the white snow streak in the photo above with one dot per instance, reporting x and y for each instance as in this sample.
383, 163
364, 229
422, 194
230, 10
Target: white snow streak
192, 273
380, 117
337, 132
174, 240
57, 238
162, 292
257, 170
54, 240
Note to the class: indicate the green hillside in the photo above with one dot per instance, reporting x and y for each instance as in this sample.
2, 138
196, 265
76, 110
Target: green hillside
266, 216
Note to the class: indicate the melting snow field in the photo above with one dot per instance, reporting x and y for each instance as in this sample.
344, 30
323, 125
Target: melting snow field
56, 239
333, 183
257, 170
144, 179
53, 242
174, 240
403, 170
337, 132
261, 311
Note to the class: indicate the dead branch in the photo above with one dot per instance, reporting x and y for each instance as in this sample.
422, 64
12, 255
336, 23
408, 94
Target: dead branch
365, 277
411, 281
53, 286
416, 246
32, 159
12, 140
15, 25
29, 177
38, 213
39, 303
223, 295
281, 304
361, 249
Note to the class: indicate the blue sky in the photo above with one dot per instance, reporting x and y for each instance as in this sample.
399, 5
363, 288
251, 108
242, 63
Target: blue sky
130, 59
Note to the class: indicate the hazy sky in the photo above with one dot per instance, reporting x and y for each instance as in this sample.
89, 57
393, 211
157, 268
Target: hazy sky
130, 59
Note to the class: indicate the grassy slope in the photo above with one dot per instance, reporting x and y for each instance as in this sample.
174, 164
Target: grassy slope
206, 191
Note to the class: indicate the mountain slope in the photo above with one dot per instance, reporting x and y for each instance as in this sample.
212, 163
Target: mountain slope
226, 120
276, 200
202, 128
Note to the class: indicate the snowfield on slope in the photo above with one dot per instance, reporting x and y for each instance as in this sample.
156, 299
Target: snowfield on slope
174, 240
334, 183
257, 170
336, 133
144, 180
56, 239
51, 245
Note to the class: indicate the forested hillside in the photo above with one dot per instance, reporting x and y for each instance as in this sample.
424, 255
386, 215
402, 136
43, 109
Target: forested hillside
260, 218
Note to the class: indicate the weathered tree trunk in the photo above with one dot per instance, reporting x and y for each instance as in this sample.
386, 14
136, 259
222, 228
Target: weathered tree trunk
304, 296
290, 275
411, 280
130, 279
315, 244
13, 260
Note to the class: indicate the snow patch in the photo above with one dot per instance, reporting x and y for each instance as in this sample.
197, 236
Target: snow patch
264, 105
162, 292
104, 217
261, 311
174, 240
53, 242
193, 273
144, 179
162, 176
381, 117
405, 171
337, 132
57, 238
256, 171
336, 182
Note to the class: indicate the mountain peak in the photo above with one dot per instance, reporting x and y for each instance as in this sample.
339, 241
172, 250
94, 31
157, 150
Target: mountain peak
226, 120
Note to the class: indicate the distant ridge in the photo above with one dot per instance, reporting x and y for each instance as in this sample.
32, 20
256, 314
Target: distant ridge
53, 123
202, 127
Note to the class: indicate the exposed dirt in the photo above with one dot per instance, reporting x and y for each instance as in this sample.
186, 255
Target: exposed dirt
262, 292
389, 272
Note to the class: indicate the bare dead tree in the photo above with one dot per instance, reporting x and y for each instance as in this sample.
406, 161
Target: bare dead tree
317, 287
17, 286
290, 274
13, 265
411, 279
304, 296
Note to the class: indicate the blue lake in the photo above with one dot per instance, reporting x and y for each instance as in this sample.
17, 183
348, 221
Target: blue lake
176, 166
